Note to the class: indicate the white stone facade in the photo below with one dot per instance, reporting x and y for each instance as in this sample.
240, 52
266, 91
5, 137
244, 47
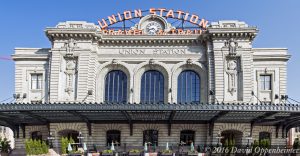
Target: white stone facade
74, 70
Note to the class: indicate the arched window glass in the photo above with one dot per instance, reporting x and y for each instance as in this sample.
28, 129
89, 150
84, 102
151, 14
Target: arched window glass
150, 136
187, 137
113, 136
152, 87
116, 86
188, 87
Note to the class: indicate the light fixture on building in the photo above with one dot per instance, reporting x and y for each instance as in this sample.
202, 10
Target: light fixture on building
80, 138
248, 137
284, 97
50, 139
90, 92
16, 96
219, 137
211, 92
24, 95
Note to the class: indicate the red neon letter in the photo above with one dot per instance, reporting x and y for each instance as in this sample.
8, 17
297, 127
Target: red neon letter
161, 11
127, 15
138, 13
152, 11
203, 23
170, 13
112, 19
120, 17
194, 19
104, 25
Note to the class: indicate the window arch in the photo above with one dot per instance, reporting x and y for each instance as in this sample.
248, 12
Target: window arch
116, 86
113, 136
188, 89
152, 87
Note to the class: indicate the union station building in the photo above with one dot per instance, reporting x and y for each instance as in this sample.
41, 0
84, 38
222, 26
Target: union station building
134, 87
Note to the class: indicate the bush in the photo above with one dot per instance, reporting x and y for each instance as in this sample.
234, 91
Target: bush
4, 145
108, 151
264, 143
134, 151
36, 147
296, 143
64, 144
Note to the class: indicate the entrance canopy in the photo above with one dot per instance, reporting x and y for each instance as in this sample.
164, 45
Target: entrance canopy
285, 116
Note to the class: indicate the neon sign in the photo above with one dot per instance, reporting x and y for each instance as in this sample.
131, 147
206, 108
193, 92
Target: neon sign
138, 13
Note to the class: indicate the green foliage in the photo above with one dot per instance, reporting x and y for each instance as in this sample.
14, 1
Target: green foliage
229, 143
167, 151
265, 143
296, 144
226, 143
134, 151
256, 143
4, 145
64, 144
36, 147
108, 151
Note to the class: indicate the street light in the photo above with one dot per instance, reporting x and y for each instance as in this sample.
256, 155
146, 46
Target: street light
50, 138
248, 137
80, 138
219, 137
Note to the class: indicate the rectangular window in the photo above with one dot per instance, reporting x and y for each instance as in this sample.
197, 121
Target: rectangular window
187, 137
36, 81
265, 82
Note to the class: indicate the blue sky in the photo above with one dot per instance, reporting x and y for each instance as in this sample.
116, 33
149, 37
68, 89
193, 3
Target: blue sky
23, 24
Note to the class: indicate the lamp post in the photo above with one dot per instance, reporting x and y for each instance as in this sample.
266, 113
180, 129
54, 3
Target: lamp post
248, 137
80, 138
287, 142
50, 138
219, 137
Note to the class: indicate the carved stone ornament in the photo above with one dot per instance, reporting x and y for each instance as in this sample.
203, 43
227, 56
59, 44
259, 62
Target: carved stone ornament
70, 45
151, 61
232, 45
189, 61
114, 61
70, 72
231, 71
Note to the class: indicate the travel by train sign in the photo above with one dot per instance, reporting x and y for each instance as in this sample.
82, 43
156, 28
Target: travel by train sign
197, 24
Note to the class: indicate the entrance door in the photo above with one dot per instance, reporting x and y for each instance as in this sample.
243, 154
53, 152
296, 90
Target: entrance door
150, 136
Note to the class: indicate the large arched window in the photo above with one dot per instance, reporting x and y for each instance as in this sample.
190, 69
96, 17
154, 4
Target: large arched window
152, 87
116, 86
188, 87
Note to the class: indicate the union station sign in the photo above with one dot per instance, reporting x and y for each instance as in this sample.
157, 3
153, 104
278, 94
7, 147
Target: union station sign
153, 22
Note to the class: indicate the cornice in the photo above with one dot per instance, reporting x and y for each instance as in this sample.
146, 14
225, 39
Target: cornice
225, 33
271, 57
19, 57
64, 33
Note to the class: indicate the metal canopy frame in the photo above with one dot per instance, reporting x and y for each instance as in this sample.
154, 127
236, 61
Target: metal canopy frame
18, 115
